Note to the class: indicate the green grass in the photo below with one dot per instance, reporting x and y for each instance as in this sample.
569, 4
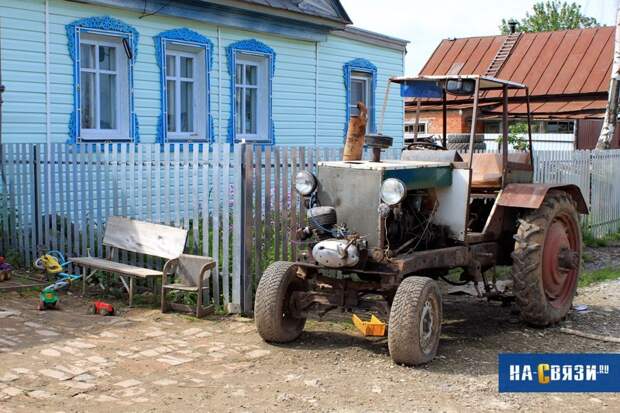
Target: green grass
596, 276
590, 241
614, 236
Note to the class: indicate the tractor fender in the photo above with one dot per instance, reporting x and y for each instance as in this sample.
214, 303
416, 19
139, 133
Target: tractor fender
531, 196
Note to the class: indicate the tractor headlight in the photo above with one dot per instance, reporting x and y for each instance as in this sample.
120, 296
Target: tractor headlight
393, 191
305, 183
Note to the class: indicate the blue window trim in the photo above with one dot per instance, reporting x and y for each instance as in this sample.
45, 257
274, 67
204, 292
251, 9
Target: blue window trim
182, 36
365, 66
251, 47
104, 25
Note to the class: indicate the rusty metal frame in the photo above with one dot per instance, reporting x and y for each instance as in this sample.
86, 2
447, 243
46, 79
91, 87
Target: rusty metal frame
529, 125
531, 196
504, 135
424, 260
444, 119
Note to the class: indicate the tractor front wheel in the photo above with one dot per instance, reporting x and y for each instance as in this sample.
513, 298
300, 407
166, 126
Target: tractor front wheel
275, 320
415, 321
547, 260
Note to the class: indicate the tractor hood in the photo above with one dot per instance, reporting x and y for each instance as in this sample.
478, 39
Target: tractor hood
353, 188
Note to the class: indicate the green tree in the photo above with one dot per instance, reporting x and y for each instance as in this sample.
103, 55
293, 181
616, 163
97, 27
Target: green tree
517, 136
551, 16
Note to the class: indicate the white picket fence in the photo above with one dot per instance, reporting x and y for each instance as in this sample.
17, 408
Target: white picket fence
540, 141
58, 197
237, 201
597, 173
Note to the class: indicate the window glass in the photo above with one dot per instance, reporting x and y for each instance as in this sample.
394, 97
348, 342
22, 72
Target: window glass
87, 56
107, 99
99, 87
358, 94
104, 91
171, 105
107, 58
170, 65
239, 74
251, 98
559, 127
87, 98
238, 109
250, 75
187, 70
185, 77
410, 127
492, 126
187, 106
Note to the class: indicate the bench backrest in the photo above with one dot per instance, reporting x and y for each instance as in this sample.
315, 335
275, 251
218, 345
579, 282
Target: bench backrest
189, 268
144, 237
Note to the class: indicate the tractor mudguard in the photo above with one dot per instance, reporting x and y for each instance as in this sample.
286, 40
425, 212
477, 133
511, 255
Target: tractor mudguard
531, 196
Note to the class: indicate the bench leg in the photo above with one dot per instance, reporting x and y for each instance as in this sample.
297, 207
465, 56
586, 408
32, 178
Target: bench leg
106, 291
164, 306
84, 276
154, 290
199, 303
132, 283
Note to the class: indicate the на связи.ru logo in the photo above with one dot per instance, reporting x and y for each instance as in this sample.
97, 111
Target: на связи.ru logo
546, 373
559, 372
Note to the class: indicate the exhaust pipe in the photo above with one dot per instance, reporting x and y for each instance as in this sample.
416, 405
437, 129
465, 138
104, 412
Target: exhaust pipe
354, 144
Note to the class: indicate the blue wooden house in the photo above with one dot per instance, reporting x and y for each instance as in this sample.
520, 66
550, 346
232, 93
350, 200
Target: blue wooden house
285, 72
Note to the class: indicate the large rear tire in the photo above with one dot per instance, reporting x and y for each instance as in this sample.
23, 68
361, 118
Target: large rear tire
274, 319
547, 260
415, 321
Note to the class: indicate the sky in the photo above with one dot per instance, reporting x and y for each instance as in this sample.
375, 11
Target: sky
426, 23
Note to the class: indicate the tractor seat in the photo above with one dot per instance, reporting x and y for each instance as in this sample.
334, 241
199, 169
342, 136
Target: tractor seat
487, 168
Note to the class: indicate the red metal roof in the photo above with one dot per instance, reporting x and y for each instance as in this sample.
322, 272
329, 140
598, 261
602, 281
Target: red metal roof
562, 66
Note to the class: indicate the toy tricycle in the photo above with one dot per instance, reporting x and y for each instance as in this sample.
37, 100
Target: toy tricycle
53, 263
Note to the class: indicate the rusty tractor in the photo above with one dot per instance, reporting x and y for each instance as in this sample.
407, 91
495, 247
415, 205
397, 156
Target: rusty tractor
380, 233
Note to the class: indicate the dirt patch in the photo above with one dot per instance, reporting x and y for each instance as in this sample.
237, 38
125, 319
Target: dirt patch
602, 257
143, 360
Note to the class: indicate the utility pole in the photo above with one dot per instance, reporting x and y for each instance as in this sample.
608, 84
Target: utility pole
611, 114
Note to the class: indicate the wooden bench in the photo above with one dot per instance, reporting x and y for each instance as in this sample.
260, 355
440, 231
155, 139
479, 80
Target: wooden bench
133, 236
192, 274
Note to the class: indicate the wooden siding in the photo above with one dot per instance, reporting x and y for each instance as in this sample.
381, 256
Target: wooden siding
294, 85
333, 54
588, 132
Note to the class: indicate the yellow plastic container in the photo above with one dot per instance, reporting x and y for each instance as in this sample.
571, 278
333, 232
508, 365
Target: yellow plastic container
372, 328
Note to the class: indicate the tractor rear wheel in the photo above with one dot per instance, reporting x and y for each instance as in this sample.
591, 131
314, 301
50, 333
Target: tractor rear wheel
415, 321
547, 260
275, 320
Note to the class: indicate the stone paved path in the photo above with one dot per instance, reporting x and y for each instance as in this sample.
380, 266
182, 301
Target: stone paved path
143, 360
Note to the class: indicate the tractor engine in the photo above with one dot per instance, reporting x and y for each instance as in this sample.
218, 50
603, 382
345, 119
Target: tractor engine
409, 227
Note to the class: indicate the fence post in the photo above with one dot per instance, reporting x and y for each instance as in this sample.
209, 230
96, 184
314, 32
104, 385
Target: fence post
590, 182
36, 199
238, 251
246, 244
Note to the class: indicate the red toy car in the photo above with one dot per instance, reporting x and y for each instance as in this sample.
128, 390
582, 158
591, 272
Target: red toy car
100, 307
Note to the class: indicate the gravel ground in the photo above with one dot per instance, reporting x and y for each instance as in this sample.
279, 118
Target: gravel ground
143, 360
602, 257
